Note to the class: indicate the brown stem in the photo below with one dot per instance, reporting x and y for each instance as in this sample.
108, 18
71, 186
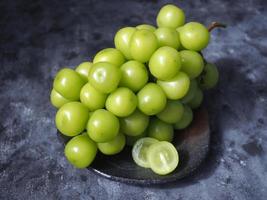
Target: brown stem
215, 25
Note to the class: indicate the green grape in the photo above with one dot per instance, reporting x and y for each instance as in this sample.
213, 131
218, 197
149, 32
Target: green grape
122, 41
71, 118
160, 130
165, 63
170, 16
181, 47
191, 92
92, 98
168, 37
162, 157
134, 75
134, 124
110, 55
122, 102
103, 126
185, 120
192, 63
114, 146
210, 76
151, 99
197, 100
83, 70
172, 112
57, 99
143, 44
194, 36
68, 83
146, 27
104, 77
81, 151
130, 140
177, 87
139, 151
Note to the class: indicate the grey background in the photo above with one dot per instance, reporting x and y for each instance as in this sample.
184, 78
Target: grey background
37, 38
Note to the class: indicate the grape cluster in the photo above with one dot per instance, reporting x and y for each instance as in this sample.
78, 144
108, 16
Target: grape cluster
144, 88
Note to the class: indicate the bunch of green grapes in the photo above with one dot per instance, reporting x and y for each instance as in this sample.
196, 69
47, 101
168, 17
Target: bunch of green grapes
137, 93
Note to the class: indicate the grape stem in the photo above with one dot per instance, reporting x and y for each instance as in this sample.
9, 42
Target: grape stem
215, 25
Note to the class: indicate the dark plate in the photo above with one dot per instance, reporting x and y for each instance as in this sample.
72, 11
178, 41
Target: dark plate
191, 143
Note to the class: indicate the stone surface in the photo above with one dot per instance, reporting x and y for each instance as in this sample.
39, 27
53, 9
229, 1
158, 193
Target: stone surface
38, 37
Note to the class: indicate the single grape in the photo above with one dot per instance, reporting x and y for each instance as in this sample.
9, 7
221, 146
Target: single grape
68, 83
177, 87
57, 99
104, 77
103, 126
71, 118
165, 63
191, 92
134, 124
114, 146
185, 120
134, 75
83, 70
139, 151
146, 27
192, 63
81, 151
122, 41
170, 16
122, 102
160, 130
143, 44
168, 37
110, 55
172, 112
197, 100
92, 98
151, 99
162, 157
210, 76
194, 36
130, 140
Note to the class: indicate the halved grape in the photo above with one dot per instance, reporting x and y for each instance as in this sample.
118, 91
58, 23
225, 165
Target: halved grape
162, 157
139, 151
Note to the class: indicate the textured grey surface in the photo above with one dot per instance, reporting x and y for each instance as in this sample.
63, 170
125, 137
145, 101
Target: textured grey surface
38, 37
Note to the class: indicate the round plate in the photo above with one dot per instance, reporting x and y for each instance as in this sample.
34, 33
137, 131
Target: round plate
191, 143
